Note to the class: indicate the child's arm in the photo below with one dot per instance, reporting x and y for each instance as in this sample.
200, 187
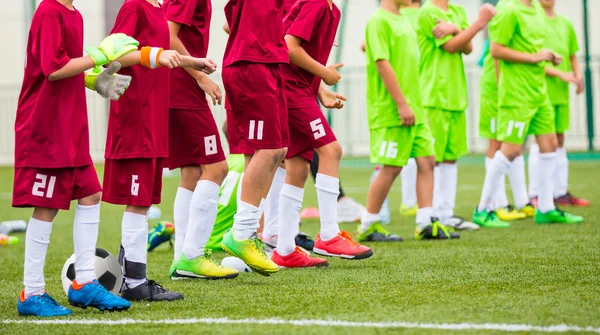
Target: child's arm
504, 53
576, 66
330, 99
74, 67
207, 85
390, 81
300, 58
461, 42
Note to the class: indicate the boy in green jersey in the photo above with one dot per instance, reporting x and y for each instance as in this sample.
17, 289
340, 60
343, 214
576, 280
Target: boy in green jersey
561, 39
488, 111
398, 129
444, 94
523, 107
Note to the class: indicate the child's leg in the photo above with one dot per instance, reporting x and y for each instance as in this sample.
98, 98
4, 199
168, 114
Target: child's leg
134, 234
290, 203
409, 184
328, 185
85, 236
37, 239
378, 191
425, 190
271, 215
181, 208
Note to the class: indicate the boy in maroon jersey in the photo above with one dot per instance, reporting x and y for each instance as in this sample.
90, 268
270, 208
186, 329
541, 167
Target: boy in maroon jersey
310, 28
137, 141
52, 155
194, 144
257, 122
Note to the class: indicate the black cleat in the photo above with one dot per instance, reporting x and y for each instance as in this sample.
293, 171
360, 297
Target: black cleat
149, 291
304, 241
435, 231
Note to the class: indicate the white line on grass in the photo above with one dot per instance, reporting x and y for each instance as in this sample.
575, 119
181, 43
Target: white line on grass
321, 323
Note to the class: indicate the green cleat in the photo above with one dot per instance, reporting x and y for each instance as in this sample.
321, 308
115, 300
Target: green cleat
488, 219
172, 268
201, 267
376, 233
557, 216
435, 231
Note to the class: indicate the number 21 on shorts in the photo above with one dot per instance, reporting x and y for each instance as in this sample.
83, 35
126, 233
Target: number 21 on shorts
43, 183
388, 149
515, 126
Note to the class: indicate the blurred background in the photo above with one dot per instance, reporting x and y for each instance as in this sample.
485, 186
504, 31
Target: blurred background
349, 123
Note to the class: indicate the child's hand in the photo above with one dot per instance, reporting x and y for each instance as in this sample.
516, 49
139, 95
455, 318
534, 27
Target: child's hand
169, 58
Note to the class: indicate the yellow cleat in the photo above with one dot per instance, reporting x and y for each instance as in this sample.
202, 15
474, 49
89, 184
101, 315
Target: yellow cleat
408, 211
251, 251
509, 213
528, 210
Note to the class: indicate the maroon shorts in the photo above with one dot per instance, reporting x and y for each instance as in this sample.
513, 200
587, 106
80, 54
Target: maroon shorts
135, 182
257, 118
309, 130
194, 138
53, 188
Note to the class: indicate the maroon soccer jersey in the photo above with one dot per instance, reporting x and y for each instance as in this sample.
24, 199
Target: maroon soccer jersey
51, 128
287, 5
315, 23
256, 32
194, 17
139, 121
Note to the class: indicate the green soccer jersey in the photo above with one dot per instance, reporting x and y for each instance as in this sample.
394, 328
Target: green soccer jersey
489, 84
227, 206
411, 15
520, 28
562, 40
391, 37
443, 79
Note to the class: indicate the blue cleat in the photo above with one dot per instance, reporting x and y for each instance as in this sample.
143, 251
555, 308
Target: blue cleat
93, 294
160, 233
40, 305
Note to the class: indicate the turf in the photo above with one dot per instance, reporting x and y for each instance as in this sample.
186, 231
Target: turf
528, 274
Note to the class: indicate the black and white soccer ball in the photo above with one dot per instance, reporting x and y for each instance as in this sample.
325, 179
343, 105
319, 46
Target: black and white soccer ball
108, 271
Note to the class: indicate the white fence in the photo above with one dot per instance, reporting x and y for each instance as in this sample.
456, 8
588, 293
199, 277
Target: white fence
350, 123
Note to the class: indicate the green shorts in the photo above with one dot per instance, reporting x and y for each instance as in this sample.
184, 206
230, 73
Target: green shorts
449, 130
562, 118
515, 123
395, 145
488, 114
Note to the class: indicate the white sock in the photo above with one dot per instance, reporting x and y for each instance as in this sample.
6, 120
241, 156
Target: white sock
290, 204
545, 173
134, 240
409, 183
37, 239
561, 184
534, 158
500, 198
516, 175
367, 219
328, 189
447, 192
271, 226
181, 216
498, 168
437, 189
85, 236
424, 217
245, 221
203, 212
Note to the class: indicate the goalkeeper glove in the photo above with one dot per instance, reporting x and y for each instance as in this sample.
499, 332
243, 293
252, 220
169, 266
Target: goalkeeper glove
107, 83
112, 48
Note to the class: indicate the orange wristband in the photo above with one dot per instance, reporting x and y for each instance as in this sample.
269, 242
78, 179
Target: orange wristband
149, 57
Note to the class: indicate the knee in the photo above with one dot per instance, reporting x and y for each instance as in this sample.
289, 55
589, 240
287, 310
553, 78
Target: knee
560, 138
391, 171
215, 172
426, 164
332, 151
189, 177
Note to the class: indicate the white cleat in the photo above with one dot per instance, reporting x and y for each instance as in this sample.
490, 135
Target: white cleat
349, 211
459, 223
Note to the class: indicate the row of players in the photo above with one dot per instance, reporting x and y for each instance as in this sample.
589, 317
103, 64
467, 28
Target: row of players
272, 115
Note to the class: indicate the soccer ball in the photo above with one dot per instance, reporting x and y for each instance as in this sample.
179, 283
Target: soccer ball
235, 263
108, 271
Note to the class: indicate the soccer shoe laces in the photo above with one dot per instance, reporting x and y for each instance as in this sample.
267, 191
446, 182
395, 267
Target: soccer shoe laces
259, 246
437, 227
379, 228
348, 237
510, 208
208, 256
47, 300
155, 287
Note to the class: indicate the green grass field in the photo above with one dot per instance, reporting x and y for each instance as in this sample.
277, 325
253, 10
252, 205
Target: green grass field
528, 274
